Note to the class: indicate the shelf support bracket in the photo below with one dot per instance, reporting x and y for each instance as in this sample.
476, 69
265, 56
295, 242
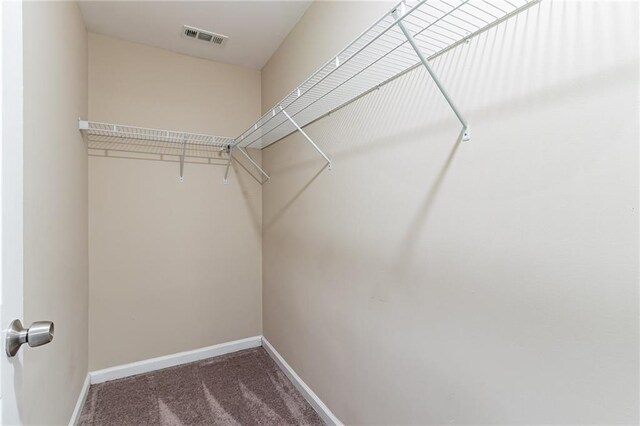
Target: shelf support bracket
184, 150
466, 135
226, 172
246, 154
307, 137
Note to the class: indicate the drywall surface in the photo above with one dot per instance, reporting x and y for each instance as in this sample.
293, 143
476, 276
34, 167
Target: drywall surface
303, 51
55, 208
430, 281
174, 265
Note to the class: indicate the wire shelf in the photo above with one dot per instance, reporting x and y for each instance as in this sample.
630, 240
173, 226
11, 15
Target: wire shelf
411, 33
379, 54
140, 140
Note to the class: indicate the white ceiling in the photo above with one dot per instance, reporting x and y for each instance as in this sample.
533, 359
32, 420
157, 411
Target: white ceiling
255, 28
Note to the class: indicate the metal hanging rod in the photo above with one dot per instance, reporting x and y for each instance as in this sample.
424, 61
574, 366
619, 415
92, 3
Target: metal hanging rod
167, 145
411, 34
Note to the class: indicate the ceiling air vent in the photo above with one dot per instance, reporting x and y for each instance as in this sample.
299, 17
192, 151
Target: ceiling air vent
204, 36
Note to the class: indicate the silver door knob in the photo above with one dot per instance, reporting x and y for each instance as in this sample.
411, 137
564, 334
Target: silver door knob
40, 333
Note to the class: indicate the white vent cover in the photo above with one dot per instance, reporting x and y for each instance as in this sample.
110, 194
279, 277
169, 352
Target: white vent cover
204, 36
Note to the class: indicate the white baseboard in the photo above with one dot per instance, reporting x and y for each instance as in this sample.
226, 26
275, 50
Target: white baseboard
323, 411
140, 367
75, 416
126, 370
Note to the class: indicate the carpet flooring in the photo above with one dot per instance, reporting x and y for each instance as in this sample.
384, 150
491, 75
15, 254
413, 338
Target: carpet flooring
242, 388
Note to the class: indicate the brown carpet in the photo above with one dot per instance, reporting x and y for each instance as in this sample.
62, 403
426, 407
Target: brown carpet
242, 388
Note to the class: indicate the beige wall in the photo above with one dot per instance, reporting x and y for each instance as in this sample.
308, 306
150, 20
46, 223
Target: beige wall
139, 85
173, 266
55, 207
302, 52
423, 281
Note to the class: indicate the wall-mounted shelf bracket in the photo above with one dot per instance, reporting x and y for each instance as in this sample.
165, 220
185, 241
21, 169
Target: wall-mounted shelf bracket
411, 34
398, 13
184, 149
317, 148
127, 141
227, 149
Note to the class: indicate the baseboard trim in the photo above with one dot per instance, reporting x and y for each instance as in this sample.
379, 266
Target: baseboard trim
313, 399
140, 367
75, 416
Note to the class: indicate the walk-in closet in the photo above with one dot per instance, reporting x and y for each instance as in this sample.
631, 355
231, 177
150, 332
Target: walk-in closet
311, 212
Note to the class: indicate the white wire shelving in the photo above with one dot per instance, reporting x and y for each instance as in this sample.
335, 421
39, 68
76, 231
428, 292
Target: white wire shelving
411, 34
166, 144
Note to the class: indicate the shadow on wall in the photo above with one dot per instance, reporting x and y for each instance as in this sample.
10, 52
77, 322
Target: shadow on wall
244, 180
387, 120
505, 267
413, 232
483, 79
297, 194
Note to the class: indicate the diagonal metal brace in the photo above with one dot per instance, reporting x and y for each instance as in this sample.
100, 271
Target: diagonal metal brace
307, 137
184, 150
466, 135
246, 154
227, 149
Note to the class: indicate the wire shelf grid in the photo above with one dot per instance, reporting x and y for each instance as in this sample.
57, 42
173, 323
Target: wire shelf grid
412, 33
378, 55
140, 140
